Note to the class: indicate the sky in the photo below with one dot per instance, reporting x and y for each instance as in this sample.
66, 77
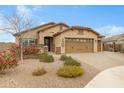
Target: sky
107, 20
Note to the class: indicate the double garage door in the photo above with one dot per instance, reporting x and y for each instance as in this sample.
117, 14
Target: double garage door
78, 45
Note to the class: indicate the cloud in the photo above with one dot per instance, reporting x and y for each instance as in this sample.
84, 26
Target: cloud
30, 11
110, 30
21, 9
1, 22
42, 23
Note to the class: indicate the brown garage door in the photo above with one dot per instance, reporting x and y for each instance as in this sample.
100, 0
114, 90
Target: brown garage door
78, 45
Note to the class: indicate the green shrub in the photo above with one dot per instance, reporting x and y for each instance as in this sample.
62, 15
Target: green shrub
32, 56
70, 71
38, 72
44, 57
71, 61
63, 57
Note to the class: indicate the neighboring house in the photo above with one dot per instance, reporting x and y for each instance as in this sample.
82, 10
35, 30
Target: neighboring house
114, 43
61, 38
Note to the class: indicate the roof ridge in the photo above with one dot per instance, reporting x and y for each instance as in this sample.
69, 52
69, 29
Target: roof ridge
54, 25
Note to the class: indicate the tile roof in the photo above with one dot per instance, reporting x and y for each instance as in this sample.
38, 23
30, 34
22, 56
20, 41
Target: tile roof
77, 27
43, 25
53, 26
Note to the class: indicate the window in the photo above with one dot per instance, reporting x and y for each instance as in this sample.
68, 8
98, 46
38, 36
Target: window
85, 40
77, 40
27, 41
46, 42
81, 40
24, 41
32, 42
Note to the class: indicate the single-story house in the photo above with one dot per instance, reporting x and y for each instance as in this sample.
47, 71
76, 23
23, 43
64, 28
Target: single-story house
61, 38
114, 43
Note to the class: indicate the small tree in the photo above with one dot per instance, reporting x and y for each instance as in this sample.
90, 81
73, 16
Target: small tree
15, 23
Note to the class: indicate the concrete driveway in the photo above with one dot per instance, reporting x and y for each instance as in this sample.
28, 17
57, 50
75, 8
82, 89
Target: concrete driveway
100, 60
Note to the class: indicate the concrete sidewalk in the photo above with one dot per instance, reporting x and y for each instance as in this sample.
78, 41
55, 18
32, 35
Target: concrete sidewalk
111, 78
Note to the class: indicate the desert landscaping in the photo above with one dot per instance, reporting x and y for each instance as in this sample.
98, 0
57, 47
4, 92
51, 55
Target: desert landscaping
23, 75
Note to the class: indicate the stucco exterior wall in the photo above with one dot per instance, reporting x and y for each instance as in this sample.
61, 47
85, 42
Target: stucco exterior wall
49, 33
74, 34
31, 34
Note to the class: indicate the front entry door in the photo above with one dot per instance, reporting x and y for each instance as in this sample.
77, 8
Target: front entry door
47, 42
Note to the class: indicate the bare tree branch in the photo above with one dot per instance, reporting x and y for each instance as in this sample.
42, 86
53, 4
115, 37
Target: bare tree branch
16, 23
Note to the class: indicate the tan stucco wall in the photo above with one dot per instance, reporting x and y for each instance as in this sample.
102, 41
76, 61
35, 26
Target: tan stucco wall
31, 34
74, 34
49, 32
100, 38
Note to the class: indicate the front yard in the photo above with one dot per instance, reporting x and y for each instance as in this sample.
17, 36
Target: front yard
52, 71
22, 76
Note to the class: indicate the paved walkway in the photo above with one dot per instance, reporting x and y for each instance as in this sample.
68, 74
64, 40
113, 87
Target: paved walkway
101, 60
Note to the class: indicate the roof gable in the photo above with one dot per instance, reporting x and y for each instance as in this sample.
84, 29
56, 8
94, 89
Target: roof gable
53, 26
44, 25
77, 28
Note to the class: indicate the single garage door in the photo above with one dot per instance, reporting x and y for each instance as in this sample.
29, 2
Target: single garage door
78, 45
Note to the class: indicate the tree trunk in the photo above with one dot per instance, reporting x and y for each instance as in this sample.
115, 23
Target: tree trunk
21, 50
21, 53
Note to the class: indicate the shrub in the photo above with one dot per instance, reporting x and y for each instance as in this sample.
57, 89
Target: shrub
63, 57
8, 60
28, 50
38, 72
16, 49
71, 61
70, 71
111, 49
44, 57
32, 56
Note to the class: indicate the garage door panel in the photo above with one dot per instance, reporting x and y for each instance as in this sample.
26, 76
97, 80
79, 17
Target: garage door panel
78, 45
